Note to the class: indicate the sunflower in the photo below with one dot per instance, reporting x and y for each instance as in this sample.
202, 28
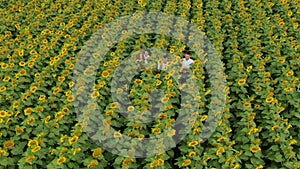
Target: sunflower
229, 160
292, 142
109, 113
73, 140
138, 81
22, 63
247, 105
8, 144
158, 82
249, 68
192, 154
3, 152
16, 105
255, 149
63, 151
203, 118
33, 89
281, 23
76, 151
259, 167
2, 113
105, 74
162, 115
71, 67
46, 121
97, 153
70, 98
290, 73
242, 82
275, 127
167, 76
6, 79
56, 90
31, 120
164, 99
29, 159
32, 143
28, 111
9, 113
258, 88
61, 160
21, 52
289, 126
171, 133
220, 151
222, 139
117, 135
141, 137
130, 108
36, 149
186, 163
37, 75
19, 130
42, 97
156, 131
119, 91
160, 162
269, 99
153, 164
2, 89
22, 72
193, 143
92, 164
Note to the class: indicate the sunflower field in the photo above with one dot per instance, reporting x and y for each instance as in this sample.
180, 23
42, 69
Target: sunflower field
257, 42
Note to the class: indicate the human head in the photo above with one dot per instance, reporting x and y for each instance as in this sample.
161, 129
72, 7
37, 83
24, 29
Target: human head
165, 60
142, 56
147, 52
187, 56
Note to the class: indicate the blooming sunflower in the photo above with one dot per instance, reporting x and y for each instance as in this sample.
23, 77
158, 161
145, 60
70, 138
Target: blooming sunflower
29, 159
138, 81
2, 89
73, 140
61, 160
105, 74
92, 164
158, 83
28, 111
172, 133
117, 135
269, 99
3, 152
255, 149
193, 143
36, 149
156, 131
97, 153
242, 82
130, 108
186, 163
192, 154
8, 144
2, 113
220, 151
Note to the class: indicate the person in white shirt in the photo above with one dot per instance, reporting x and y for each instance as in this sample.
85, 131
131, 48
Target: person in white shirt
163, 64
187, 61
146, 56
186, 64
